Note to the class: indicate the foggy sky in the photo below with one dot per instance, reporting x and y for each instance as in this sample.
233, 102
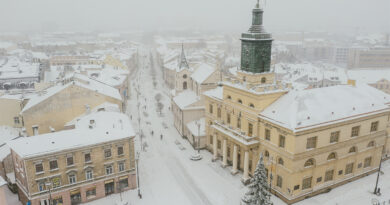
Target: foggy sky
230, 15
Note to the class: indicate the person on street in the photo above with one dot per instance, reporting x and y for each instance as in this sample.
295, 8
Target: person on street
161, 137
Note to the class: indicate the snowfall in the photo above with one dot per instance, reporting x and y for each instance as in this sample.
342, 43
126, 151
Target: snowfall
168, 176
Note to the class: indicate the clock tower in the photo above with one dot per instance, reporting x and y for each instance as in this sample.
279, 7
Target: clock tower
256, 45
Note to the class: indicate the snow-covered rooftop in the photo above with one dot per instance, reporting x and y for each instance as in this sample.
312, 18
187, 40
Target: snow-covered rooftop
305, 109
186, 98
2, 181
106, 126
12, 67
6, 134
369, 76
202, 72
87, 83
215, 93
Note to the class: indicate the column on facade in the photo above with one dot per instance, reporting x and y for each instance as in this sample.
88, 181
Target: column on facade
235, 153
224, 153
215, 150
245, 176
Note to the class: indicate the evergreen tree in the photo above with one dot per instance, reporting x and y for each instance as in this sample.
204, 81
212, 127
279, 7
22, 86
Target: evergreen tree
258, 193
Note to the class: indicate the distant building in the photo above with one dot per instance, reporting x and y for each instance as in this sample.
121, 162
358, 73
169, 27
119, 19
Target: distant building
16, 74
75, 166
369, 58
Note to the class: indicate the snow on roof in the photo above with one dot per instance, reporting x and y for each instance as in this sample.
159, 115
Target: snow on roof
87, 83
39, 55
369, 76
110, 76
12, 67
185, 98
193, 127
106, 127
107, 107
11, 177
215, 93
203, 71
6, 134
305, 109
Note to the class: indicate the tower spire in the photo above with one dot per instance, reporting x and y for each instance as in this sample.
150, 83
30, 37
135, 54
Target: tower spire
183, 61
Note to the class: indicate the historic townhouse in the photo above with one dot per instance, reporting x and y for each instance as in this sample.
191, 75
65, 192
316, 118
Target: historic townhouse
69, 167
312, 140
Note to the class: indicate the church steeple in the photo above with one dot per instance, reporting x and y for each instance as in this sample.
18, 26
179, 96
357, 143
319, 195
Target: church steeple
183, 61
256, 45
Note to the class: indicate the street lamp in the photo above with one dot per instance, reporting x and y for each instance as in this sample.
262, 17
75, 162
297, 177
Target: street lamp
197, 155
48, 184
137, 161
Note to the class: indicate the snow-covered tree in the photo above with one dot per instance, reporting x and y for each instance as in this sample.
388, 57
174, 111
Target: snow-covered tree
258, 193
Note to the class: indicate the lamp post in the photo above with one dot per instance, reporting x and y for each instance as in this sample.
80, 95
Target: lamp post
198, 124
377, 176
48, 184
197, 155
139, 190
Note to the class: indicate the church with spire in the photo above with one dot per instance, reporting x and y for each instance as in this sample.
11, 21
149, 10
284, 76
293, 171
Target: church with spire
312, 140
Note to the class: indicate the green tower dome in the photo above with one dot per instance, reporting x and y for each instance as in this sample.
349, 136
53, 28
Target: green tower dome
256, 45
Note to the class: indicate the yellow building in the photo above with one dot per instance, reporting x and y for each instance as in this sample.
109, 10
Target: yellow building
10, 107
69, 167
312, 140
52, 108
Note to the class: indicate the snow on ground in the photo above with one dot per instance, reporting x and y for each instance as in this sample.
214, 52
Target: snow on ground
168, 176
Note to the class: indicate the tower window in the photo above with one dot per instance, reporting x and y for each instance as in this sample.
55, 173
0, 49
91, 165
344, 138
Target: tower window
263, 79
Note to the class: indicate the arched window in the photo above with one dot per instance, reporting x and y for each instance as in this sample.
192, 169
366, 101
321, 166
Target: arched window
309, 162
280, 161
239, 101
252, 105
332, 156
184, 85
185, 76
263, 80
371, 144
352, 150
266, 153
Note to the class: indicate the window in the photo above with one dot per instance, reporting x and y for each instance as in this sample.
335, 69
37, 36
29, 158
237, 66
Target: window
41, 186
266, 153
352, 150
89, 174
360, 165
263, 80
123, 183
239, 101
252, 105
16, 120
53, 164
219, 112
121, 166
211, 109
319, 179
280, 161
184, 76
267, 134
228, 118
72, 178
219, 144
371, 144
120, 151
239, 123
296, 187
57, 201
332, 156
306, 183
35, 130
334, 136
107, 153
87, 157
250, 129
282, 140
349, 168
38, 168
109, 169
374, 126
355, 131
69, 161
367, 162
91, 193
211, 139
229, 97
340, 172
184, 85
329, 175
279, 181
309, 162
311, 143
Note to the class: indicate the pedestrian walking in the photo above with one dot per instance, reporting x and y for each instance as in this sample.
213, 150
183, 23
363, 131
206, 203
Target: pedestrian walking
161, 137
152, 132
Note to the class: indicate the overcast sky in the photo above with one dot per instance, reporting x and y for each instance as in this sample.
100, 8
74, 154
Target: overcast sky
229, 15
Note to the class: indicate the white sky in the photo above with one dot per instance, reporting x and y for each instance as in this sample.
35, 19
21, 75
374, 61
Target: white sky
21, 15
